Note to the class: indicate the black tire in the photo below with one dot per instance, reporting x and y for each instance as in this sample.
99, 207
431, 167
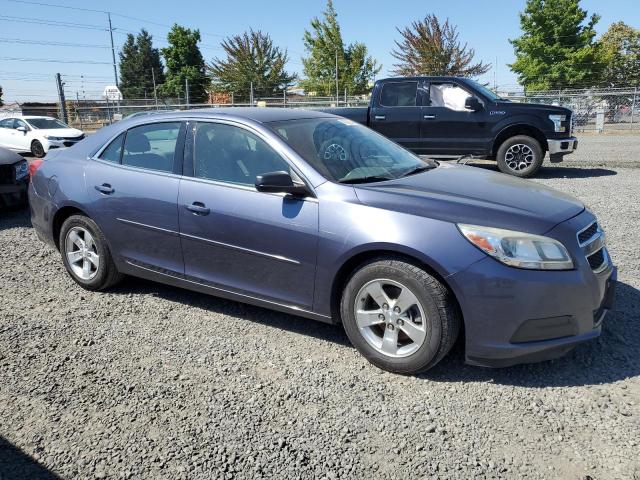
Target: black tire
533, 146
106, 274
37, 150
442, 322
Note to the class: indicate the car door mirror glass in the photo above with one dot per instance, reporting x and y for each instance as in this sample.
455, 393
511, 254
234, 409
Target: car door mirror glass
279, 182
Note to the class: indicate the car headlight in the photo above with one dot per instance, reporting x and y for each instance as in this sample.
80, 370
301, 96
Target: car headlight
557, 122
519, 249
22, 170
51, 137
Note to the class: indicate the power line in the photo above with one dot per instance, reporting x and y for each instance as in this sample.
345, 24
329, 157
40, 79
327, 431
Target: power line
50, 60
55, 23
50, 43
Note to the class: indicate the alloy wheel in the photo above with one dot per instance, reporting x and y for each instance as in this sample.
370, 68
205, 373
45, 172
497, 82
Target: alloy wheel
390, 318
519, 157
82, 253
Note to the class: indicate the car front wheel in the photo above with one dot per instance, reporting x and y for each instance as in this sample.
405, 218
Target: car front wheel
86, 255
398, 316
37, 150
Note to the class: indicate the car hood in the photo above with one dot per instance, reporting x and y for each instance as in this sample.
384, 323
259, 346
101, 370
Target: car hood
60, 132
464, 194
7, 157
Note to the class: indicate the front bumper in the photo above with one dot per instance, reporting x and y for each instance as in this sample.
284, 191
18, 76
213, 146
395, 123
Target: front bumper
65, 143
15, 193
560, 147
515, 316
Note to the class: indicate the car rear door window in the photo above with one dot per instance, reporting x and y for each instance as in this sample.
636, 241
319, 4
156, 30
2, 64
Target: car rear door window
231, 154
152, 146
113, 152
399, 94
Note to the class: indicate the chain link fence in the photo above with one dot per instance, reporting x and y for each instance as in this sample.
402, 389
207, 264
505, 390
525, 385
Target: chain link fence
594, 110
599, 111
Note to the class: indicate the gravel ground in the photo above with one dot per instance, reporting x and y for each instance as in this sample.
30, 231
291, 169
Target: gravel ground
148, 381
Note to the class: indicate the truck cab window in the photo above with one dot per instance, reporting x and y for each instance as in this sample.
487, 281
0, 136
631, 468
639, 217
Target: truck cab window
399, 94
448, 95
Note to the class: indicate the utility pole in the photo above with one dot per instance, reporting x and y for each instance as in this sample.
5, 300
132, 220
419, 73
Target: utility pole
63, 103
186, 91
155, 91
78, 109
284, 96
113, 51
337, 97
495, 76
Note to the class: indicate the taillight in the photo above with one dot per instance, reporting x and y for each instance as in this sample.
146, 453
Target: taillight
34, 165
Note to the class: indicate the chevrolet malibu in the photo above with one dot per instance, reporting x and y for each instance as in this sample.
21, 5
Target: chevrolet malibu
318, 216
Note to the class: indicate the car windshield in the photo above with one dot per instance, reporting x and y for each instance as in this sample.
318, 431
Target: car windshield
45, 123
346, 152
485, 91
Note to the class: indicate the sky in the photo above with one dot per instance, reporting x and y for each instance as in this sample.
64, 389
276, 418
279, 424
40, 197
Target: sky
32, 52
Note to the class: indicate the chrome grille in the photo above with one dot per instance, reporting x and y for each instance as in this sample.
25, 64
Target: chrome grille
596, 260
588, 233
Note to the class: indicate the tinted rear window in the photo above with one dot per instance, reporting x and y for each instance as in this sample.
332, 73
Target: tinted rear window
399, 94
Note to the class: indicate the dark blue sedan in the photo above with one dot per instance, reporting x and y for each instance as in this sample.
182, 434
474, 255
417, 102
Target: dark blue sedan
315, 215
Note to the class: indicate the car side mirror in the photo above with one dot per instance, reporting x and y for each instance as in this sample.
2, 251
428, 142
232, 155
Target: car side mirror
472, 103
280, 182
22, 129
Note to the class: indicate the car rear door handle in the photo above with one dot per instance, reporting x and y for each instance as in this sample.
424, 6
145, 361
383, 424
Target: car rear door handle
429, 117
105, 188
380, 117
198, 208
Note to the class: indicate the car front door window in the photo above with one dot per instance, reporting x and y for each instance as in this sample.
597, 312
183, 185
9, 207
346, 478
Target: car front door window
231, 154
448, 95
152, 146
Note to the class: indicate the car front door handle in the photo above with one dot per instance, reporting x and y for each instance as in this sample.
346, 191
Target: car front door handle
198, 208
429, 117
105, 188
380, 117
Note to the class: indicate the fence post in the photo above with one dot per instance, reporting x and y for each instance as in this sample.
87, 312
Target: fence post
633, 104
78, 110
109, 111
284, 97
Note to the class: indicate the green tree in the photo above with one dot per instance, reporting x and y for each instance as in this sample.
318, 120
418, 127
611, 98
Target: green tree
251, 57
620, 53
137, 59
556, 49
431, 48
356, 69
184, 61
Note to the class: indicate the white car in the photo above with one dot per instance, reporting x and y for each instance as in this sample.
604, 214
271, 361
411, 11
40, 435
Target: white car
37, 134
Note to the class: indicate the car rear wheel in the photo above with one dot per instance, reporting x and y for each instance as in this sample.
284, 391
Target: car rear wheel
520, 156
86, 255
37, 150
398, 316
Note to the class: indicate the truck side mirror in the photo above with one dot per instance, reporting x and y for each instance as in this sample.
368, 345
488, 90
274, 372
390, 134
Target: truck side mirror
472, 103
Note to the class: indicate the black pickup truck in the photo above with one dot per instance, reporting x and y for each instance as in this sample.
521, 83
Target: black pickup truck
457, 116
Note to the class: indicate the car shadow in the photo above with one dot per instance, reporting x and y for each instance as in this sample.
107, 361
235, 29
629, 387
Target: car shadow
16, 464
610, 358
244, 311
548, 172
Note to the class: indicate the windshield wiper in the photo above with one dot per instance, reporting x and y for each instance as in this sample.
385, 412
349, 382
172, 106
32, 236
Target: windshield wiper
372, 178
418, 169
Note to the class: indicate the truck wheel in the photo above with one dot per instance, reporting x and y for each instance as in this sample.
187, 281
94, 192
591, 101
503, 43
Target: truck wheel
520, 156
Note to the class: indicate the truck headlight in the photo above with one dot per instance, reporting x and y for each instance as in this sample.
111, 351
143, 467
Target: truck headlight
519, 249
557, 122
22, 170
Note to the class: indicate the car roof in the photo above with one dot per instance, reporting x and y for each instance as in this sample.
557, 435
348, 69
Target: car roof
257, 114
